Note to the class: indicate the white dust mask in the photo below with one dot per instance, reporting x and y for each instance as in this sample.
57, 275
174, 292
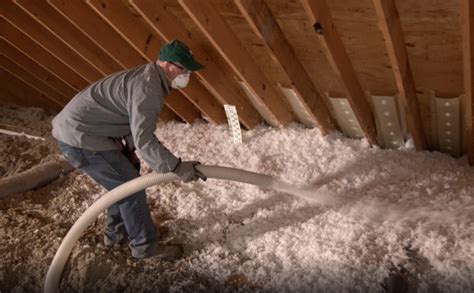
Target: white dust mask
180, 81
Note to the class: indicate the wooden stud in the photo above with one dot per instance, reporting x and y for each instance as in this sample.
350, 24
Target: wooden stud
468, 56
50, 42
27, 77
35, 68
269, 99
389, 23
24, 93
265, 26
109, 40
217, 79
138, 36
321, 19
70, 34
36, 52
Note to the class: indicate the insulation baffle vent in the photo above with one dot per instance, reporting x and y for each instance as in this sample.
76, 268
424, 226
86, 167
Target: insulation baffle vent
389, 126
259, 106
297, 107
346, 118
446, 114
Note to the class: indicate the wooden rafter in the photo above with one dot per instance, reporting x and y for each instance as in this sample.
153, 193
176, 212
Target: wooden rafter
7, 98
204, 101
264, 24
11, 97
267, 98
320, 17
389, 23
49, 41
107, 38
182, 107
167, 115
65, 30
25, 94
217, 79
23, 74
36, 52
119, 17
98, 31
468, 55
35, 68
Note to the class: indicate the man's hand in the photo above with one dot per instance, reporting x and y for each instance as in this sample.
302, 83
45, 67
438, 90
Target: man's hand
186, 171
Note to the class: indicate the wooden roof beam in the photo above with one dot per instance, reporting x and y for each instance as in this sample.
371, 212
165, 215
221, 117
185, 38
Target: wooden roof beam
320, 17
23, 74
70, 34
25, 94
106, 37
389, 23
49, 41
265, 26
468, 56
217, 79
7, 98
10, 97
168, 115
35, 68
119, 17
36, 52
79, 14
267, 98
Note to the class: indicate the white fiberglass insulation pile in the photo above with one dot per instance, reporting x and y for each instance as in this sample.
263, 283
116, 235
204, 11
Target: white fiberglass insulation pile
386, 208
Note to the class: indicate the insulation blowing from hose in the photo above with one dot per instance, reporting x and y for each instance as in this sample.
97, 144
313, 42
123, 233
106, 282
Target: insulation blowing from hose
55, 270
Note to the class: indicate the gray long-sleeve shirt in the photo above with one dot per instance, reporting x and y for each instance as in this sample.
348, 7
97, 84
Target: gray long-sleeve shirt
122, 104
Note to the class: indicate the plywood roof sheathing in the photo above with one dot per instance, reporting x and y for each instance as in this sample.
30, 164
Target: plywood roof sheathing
320, 17
269, 99
389, 23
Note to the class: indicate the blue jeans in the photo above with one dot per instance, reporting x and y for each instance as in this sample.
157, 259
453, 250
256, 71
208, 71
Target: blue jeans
129, 216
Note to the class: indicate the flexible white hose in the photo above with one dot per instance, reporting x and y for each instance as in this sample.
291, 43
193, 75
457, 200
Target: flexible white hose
55, 270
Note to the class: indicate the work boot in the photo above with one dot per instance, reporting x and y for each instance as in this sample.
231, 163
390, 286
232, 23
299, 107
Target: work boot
109, 243
160, 252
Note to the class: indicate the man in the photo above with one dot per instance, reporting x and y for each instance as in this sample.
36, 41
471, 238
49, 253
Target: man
96, 132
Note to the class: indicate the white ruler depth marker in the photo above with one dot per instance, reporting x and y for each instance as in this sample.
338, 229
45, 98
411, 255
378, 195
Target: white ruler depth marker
233, 120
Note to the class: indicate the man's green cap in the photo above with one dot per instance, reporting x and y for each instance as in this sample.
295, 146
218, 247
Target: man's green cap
177, 51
